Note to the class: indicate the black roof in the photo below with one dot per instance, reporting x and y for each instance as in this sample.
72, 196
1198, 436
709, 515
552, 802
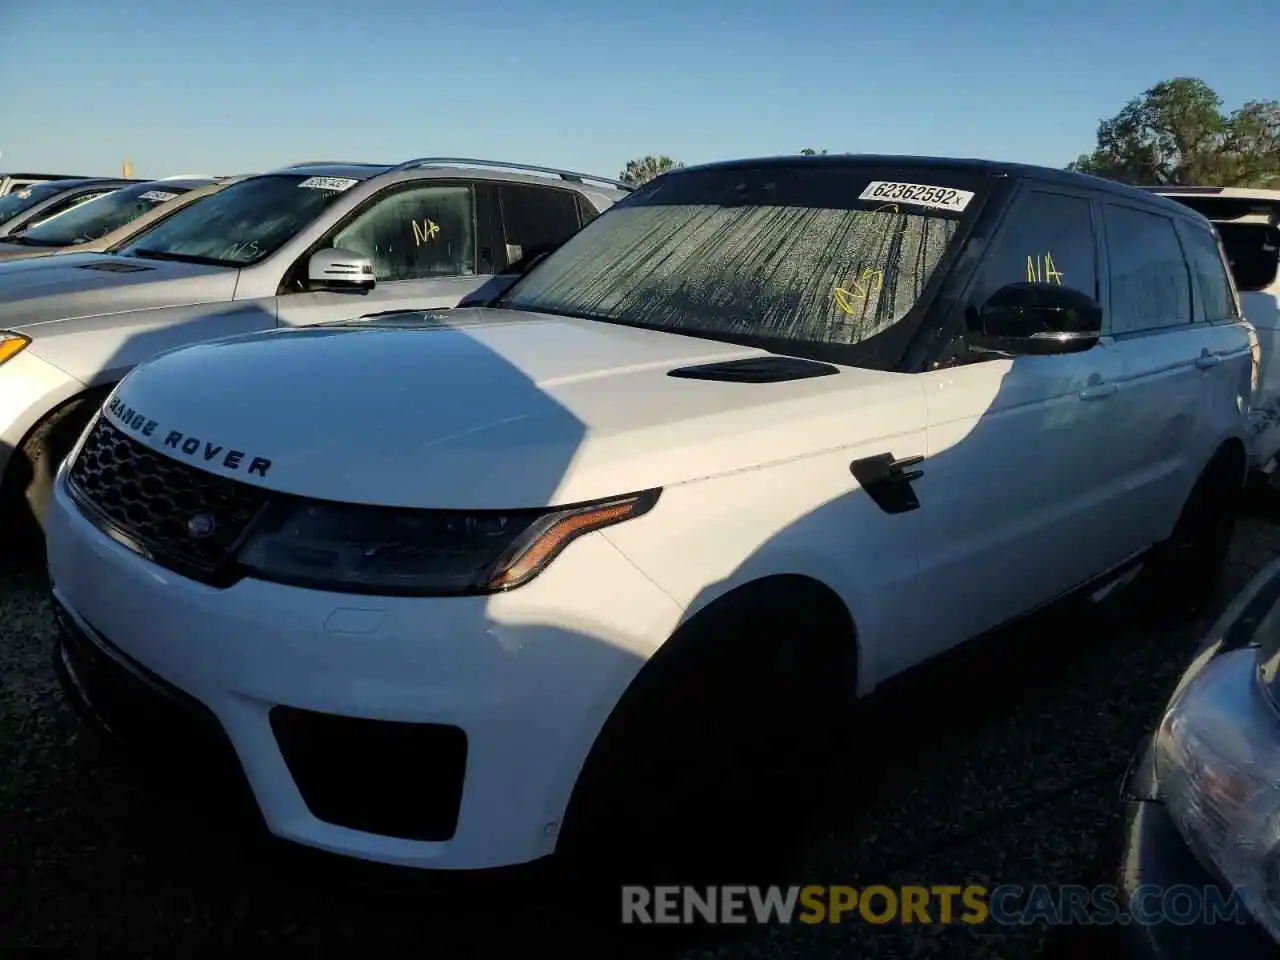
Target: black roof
972, 165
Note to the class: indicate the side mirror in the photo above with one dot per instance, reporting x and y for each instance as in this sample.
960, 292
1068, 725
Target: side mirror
337, 269
1035, 318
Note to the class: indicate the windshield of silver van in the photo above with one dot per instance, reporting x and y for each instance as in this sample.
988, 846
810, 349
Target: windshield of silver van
99, 216
830, 256
241, 224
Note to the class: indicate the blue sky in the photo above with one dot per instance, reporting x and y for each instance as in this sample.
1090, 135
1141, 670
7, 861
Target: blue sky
244, 85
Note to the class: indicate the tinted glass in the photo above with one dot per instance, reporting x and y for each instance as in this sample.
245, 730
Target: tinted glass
416, 233
1253, 250
1047, 238
1211, 275
535, 219
760, 254
24, 198
99, 217
241, 224
1150, 285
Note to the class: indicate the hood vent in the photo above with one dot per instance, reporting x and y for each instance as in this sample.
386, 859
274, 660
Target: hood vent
115, 266
757, 370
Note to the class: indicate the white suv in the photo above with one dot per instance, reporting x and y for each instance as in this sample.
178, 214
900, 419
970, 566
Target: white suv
459, 589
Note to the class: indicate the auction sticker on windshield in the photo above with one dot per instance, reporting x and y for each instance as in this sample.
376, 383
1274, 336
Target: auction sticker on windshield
917, 194
329, 183
159, 196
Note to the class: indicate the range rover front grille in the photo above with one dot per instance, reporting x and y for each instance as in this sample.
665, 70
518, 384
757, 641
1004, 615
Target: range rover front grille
181, 517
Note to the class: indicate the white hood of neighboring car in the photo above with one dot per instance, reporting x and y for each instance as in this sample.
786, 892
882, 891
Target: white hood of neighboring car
49, 289
481, 408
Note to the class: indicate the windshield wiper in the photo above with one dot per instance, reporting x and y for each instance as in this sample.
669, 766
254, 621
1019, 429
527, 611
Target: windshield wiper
183, 258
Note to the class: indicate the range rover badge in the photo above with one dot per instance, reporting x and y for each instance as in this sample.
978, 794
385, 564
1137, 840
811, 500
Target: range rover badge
200, 526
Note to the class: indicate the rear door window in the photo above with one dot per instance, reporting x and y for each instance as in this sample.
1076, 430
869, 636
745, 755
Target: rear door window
535, 220
1150, 279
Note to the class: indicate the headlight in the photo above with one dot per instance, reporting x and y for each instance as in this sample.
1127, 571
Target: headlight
12, 344
363, 549
1218, 765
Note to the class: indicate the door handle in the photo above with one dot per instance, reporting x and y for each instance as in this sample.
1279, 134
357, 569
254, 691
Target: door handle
1099, 391
1207, 360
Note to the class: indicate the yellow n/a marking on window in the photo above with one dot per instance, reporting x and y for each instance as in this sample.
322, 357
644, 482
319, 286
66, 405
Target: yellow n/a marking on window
1043, 270
427, 231
864, 288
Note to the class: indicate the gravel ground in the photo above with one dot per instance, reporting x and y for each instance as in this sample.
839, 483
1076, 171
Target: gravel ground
1003, 772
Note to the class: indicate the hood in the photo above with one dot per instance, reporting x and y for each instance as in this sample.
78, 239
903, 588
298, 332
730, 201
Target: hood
477, 409
48, 289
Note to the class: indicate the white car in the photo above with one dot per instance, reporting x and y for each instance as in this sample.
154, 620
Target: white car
462, 589
1248, 220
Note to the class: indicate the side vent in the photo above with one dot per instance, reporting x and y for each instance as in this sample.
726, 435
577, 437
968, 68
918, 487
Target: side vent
756, 370
115, 266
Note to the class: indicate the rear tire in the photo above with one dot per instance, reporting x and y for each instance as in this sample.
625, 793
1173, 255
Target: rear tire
715, 746
1185, 570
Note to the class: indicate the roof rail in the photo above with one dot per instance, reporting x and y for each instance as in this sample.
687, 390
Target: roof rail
502, 165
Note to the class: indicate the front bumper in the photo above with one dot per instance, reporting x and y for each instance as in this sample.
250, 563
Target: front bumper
439, 733
29, 389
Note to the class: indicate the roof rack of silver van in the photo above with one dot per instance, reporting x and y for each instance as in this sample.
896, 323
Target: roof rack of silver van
502, 165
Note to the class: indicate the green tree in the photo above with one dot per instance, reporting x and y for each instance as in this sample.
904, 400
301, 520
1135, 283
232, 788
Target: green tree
646, 168
1177, 133
810, 152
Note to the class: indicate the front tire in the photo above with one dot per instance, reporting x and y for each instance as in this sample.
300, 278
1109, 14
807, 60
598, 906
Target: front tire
28, 482
710, 754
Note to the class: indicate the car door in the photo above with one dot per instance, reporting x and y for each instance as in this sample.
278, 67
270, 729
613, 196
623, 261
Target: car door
1021, 474
422, 239
1169, 368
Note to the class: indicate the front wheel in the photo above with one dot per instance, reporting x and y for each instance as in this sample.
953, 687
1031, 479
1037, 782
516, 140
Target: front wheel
706, 761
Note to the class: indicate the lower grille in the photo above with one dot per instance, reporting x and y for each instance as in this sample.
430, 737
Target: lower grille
173, 513
379, 776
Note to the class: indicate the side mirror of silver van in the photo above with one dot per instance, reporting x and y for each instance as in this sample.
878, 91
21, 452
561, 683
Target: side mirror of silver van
336, 269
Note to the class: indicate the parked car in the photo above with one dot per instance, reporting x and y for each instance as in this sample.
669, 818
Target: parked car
108, 220
464, 588
1248, 222
1200, 802
44, 201
299, 246
17, 181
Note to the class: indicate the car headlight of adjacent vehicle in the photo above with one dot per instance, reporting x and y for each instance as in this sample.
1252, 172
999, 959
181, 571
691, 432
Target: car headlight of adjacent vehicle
11, 344
1217, 755
383, 550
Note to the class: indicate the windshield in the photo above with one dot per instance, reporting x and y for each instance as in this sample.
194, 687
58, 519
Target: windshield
99, 217
20, 201
772, 256
241, 224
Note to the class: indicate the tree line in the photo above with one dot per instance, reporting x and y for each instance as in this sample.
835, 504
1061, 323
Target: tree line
1176, 133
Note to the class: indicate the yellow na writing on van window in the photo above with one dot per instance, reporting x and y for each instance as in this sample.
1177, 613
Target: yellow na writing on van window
428, 230
1043, 270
